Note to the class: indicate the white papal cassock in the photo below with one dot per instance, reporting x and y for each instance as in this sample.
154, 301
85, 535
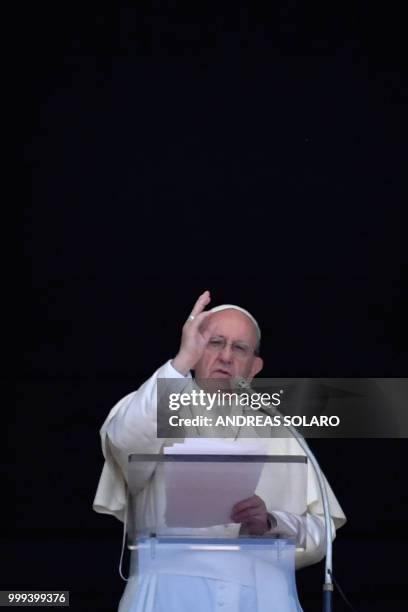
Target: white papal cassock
228, 583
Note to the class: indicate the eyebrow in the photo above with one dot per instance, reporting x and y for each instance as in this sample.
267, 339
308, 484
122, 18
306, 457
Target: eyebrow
220, 336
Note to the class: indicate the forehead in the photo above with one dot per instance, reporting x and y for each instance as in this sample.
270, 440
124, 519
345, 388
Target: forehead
233, 324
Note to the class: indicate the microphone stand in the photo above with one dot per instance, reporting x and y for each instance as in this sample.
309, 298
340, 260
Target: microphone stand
243, 385
328, 583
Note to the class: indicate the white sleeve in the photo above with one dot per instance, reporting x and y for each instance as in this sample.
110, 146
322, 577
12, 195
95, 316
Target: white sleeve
130, 427
133, 428
308, 531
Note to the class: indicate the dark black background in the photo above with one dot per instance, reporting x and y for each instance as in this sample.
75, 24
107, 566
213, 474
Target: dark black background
253, 150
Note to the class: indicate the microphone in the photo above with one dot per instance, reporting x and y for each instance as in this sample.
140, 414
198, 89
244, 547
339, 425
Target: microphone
243, 385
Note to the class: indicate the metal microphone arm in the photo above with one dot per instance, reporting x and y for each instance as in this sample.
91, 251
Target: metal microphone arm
328, 583
244, 386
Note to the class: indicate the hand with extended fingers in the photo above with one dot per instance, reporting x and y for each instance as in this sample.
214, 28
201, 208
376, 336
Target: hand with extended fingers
193, 339
252, 514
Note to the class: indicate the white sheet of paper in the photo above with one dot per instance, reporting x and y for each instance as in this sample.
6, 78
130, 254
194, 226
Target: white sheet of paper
201, 494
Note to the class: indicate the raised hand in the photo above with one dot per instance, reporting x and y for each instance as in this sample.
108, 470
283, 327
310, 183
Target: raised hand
194, 338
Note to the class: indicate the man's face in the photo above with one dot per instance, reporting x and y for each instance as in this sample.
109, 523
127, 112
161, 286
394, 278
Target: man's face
230, 350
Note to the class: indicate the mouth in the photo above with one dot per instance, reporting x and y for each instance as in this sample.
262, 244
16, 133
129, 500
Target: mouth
221, 373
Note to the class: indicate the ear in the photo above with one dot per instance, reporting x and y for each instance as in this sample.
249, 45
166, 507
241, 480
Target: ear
256, 367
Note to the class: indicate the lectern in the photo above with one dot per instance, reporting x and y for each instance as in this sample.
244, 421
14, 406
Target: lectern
186, 555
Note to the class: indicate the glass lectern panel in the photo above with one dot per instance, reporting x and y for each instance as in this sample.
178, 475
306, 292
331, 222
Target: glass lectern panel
193, 495
184, 574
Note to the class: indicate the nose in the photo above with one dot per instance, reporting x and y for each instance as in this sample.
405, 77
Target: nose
226, 354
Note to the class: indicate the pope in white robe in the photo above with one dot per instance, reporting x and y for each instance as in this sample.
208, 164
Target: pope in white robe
216, 344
